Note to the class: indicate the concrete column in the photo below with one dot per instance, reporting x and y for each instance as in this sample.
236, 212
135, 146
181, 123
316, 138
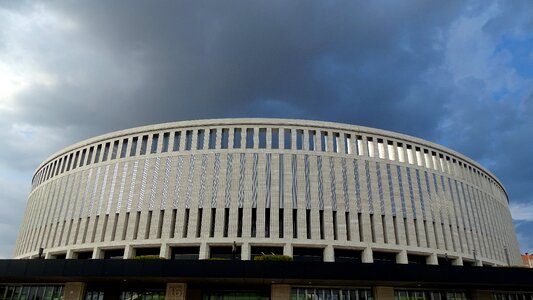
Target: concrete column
383, 293
280, 291
176, 291
165, 251
245, 251
287, 249
97, 253
401, 258
458, 261
70, 254
128, 252
367, 256
481, 295
74, 291
432, 259
204, 251
329, 254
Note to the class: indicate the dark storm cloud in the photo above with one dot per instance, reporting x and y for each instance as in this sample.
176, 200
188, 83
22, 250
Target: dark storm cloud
436, 70
198, 60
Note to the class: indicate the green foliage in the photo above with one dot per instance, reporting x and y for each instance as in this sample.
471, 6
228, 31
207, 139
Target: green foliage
272, 257
148, 257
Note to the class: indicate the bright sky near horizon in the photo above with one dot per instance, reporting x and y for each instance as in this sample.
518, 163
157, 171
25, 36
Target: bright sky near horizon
458, 73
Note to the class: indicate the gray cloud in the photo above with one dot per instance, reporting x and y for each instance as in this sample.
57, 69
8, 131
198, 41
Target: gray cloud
431, 70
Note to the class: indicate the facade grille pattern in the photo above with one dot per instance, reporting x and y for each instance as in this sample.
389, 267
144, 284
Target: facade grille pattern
267, 183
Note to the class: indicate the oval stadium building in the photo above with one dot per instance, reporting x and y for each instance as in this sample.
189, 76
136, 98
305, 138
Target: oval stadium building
240, 188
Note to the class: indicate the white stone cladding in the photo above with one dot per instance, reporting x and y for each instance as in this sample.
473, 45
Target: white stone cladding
335, 186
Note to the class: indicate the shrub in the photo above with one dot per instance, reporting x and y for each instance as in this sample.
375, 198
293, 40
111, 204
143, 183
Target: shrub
272, 257
148, 257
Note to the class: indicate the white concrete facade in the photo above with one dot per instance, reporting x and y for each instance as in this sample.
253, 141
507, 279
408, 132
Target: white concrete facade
287, 183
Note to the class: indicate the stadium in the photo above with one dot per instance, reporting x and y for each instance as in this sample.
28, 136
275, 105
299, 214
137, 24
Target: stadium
237, 189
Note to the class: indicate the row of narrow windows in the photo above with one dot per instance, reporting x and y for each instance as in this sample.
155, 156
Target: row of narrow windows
424, 234
473, 217
311, 140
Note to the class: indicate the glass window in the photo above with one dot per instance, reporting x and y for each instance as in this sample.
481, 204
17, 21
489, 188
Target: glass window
106, 151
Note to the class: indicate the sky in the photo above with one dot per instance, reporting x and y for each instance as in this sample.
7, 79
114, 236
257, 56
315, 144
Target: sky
457, 73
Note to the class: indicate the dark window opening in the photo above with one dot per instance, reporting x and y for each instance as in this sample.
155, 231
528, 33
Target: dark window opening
254, 222
115, 150
287, 139
308, 223
212, 138
144, 143
200, 139
224, 138
307, 254
275, 138
84, 255
262, 138
114, 254
123, 149
176, 143
384, 257
249, 138
226, 221
166, 138
133, 149
236, 138
321, 220
416, 259
349, 256
280, 223
239, 222
295, 223
188, 140
199, 222
152, 251
184, 253
265, 250
267, 222
225, 252
212, 225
